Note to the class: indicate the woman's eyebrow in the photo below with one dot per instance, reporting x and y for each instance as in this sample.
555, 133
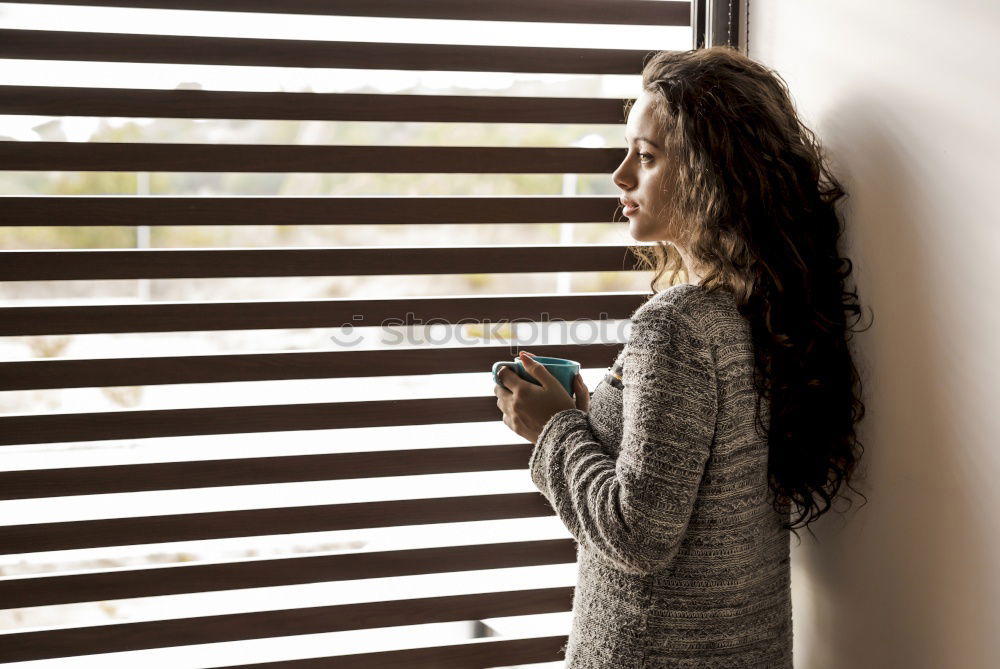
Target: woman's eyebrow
644, 139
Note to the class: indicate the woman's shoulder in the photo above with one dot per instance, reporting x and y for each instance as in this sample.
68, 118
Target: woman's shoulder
683, 301
706, 318
671, 318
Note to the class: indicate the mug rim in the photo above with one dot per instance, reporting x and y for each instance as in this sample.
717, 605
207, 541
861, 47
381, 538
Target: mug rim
560, 361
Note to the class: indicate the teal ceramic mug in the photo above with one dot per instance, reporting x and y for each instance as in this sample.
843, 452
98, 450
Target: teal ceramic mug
564, 370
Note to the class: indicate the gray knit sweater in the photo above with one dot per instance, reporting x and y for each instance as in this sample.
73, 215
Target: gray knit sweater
682, 561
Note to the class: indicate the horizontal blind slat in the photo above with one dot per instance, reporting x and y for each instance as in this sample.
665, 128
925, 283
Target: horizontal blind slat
34, 483
479, 655
638, 12
239, 210
101, 372
146, 103
185, 579
269, 624
333, 312
71, 535
140, 424
100, 264
251, 51
171, 157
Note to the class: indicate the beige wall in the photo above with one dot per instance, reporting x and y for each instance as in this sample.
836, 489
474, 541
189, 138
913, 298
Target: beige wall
906, 98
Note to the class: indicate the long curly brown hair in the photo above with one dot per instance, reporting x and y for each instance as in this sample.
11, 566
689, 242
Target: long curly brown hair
753, 205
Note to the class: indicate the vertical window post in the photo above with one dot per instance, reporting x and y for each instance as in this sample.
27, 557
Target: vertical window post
716, 22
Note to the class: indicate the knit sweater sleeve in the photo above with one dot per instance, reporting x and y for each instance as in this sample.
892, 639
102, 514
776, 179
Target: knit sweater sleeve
633, 510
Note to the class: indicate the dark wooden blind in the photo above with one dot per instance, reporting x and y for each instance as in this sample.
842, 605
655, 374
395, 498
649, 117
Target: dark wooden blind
195, 316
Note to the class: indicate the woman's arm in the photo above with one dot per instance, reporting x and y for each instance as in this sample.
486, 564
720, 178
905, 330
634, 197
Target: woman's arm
633, 510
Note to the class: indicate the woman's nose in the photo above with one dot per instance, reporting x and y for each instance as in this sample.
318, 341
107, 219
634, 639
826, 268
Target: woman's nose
618, 177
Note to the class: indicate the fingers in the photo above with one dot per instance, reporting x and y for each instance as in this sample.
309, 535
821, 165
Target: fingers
537, 369
581, 394
501, 387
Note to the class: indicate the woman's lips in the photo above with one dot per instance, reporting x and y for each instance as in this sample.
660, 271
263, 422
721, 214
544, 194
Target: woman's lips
630, 209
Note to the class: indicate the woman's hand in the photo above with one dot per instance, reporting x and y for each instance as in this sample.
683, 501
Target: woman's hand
526, 407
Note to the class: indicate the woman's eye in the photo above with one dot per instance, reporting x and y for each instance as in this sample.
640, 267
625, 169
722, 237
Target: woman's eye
649, 155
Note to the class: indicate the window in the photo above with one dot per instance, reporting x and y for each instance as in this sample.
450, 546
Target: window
207, 458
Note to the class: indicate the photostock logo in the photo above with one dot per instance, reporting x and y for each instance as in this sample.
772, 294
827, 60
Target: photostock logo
343, 338
413, 331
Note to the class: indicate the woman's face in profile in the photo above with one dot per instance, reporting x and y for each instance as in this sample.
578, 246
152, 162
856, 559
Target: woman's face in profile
643, 176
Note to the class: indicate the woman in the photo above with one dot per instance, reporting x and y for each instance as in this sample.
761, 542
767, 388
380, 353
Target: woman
675, 478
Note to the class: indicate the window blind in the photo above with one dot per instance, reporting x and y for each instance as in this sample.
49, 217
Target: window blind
83, 265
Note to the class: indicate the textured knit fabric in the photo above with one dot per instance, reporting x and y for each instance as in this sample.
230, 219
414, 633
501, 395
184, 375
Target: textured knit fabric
682, 561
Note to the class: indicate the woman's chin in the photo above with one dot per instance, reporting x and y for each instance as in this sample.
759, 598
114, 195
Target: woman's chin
642, 233
637, 233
